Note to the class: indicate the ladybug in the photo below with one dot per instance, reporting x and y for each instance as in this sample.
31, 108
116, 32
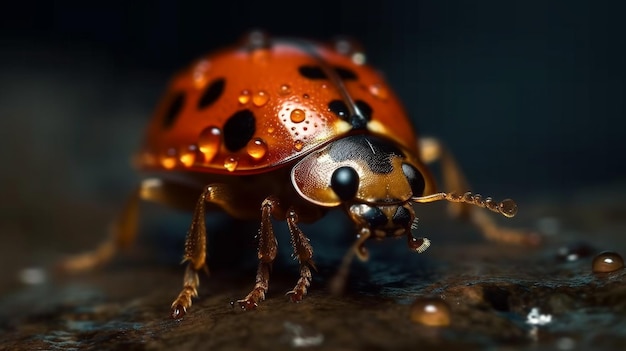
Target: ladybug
289, 129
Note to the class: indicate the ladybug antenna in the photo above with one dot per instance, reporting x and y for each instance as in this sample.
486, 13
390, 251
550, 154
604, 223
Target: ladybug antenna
506, 207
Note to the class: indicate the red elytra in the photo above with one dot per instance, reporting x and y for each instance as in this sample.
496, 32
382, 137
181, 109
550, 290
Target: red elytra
290, 110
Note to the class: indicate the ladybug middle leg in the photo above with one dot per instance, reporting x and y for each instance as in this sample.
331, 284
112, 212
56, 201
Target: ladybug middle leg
454, 181
268, 247
267, 253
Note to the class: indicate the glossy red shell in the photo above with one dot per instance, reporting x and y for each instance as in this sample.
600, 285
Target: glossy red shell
292, 116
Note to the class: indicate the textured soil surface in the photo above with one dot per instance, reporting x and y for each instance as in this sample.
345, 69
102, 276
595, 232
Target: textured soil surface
491, 290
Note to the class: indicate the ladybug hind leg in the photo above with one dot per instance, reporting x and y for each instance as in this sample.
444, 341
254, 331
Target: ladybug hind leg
123, 231
122, 234
454, 181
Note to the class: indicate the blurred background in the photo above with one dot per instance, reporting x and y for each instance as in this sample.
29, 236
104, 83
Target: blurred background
528, 94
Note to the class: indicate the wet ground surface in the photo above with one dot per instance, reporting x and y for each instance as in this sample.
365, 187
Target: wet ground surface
499, 297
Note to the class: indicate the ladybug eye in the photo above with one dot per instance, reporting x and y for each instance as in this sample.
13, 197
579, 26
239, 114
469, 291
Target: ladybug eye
415, 178
345, 182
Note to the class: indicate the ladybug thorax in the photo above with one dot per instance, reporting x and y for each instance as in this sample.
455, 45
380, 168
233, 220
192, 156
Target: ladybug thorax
358, 169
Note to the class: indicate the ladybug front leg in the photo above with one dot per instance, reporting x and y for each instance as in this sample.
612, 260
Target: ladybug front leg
304, 253
195, 249
268, 247
454, 181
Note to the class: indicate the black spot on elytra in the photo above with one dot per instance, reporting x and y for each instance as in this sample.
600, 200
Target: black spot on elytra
173, 111
239, 129
364, 115
212, 93
365, 109
339, 108
357, 122
316, 72
312, 72
375, 152
346, 74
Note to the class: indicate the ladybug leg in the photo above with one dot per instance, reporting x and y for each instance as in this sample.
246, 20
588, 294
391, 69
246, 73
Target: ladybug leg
432, 151
268, 247
454, 180
338, 283
195, 247
304, 253
123, 231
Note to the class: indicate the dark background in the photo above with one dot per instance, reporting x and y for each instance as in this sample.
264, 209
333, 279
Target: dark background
528, 94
